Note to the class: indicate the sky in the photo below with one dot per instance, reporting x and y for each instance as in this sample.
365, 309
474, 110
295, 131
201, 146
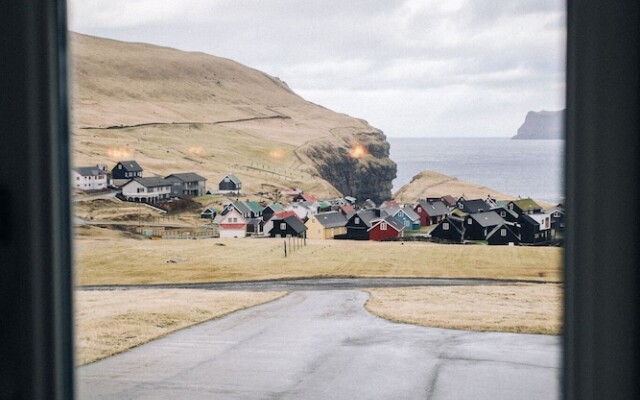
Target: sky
413, 68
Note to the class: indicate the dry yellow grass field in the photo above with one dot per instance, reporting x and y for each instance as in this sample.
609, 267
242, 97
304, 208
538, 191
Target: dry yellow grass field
110, 322
531, 308
131, 261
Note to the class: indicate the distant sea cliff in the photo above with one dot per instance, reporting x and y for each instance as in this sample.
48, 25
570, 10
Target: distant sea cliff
542, 125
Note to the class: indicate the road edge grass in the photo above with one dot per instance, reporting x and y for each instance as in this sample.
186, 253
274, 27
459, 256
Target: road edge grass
524, 326
79, 363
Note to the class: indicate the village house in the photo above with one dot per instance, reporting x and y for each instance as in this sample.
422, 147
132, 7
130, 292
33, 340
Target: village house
302, 209
147, 190
187, 184
255, 227
270, 210
326, 225
525, 206
405, 215
124, 171
448, 200
472, 206
385, 228
208, 213
230, 184
535, 228
504, 234
449, 230
557, 218
290, 226
477, 226
309, 198
431, 212
89, 178
268, 224
359, 224
240, 206
232, 224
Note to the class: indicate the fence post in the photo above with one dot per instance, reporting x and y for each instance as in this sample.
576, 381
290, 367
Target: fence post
285, 248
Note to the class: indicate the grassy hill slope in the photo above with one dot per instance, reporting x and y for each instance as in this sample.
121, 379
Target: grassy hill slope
183, 111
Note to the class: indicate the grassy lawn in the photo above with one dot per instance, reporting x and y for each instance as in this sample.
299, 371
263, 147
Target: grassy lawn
110, 322
525, 308
131, 261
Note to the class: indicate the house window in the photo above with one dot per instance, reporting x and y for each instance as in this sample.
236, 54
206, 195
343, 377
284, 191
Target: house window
356, 220
119, 166
469, 221
503, 214
445, 226
503, 232
419, 209
383, 226
140, 190
283, 226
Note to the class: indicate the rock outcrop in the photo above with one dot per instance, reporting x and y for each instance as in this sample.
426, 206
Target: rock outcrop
542, 125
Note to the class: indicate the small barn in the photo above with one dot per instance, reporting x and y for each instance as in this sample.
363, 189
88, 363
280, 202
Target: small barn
209, 213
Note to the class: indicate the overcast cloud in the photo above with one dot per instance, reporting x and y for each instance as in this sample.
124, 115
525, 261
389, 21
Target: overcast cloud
410, 67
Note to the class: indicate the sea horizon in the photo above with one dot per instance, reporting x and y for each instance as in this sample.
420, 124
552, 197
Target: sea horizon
526, 168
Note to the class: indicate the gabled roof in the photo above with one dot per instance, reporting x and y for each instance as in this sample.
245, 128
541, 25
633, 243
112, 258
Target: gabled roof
408, 211
131, 166
434, 208
307, 197
283, 214
505, 226
254, 221
331, 219
149, 182
232, 178
89, 171
347, 210
475, 205
367, 216
187, 177
538, 218
241, 207
527, 204
209, 210
448, 200
391, 221
275, 207
486, 219
253, 206
293, 221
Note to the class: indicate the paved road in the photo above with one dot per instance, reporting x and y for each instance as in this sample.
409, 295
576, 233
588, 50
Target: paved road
325, 345
314, 284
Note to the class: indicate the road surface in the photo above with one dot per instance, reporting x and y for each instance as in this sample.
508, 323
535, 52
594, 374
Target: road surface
325, 345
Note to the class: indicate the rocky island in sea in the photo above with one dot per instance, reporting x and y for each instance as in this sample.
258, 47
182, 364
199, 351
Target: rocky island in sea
542, 125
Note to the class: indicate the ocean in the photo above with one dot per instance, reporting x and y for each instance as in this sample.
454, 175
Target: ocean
526, 168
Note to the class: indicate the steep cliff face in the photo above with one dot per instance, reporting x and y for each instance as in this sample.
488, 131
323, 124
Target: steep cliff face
542, 125
176, 111
361, 167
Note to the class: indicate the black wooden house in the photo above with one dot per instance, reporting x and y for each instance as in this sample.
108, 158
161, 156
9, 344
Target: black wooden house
359, 223
477, 226
290, 226
449, 230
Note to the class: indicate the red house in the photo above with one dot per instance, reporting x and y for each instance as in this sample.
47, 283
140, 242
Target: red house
385, 228
431, 212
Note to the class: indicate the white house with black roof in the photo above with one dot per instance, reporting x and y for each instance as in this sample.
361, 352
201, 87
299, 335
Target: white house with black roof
89, 178
187, 184
124, 171
147, 190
